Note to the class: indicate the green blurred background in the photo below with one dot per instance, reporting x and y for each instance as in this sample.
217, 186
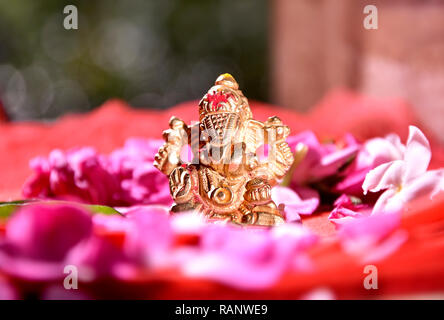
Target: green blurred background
153, 54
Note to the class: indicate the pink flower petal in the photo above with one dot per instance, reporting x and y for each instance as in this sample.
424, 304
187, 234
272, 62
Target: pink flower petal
369, 230
30, 269
7, 291
150, 235
111, 223
341, 215
373, 238
346, 210
417, 155
384, 249
95, 258
321, 160
384, 176
352, 182
388, 202
125, 177
381, 150
373, 153
294, 204
428, 184
337, 158
47, 232
247, 258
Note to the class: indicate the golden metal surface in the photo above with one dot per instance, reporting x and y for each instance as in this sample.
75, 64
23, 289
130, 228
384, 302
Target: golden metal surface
226, 179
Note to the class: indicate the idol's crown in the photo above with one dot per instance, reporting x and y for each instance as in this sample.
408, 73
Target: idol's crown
224, 97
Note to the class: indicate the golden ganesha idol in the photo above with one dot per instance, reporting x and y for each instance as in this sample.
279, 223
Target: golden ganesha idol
225, 179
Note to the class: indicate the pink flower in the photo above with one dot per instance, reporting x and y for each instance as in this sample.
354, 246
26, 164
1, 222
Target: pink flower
97, 258
150, 235
47, 232
321, 160
125, 177
40, 240
247, 258
372, 238
148, 239
147, 185
136, 151
188, 223
140, 181
373, 153
348, 208
7, 291
112, 223
39, 237
78, 174
304, 202
406, 179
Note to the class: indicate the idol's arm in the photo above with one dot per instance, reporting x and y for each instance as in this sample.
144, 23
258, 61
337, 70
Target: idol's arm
280, 157
168, 156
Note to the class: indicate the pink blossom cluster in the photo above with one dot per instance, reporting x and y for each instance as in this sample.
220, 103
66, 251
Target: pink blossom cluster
348, 170
329, 170
125, 177
41, 240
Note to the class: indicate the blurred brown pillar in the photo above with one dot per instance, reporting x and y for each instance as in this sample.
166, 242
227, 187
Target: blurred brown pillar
317, 45
313, 48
